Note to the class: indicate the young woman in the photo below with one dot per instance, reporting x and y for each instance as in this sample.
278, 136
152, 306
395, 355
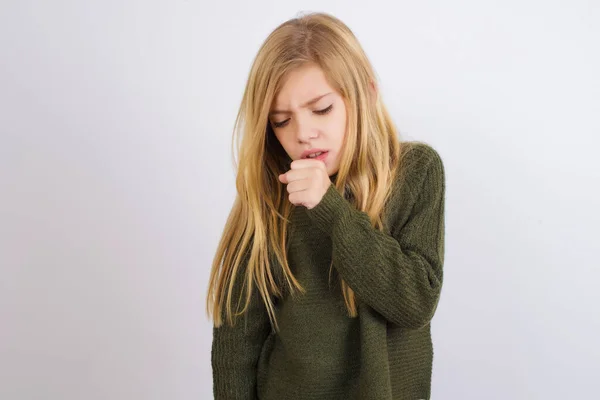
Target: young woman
329, 269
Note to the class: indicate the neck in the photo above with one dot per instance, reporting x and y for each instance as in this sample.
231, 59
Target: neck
333, 177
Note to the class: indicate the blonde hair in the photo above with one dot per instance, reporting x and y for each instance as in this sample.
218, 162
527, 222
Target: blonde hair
254, 239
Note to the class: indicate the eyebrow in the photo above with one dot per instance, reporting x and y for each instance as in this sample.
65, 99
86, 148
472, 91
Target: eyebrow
308, 103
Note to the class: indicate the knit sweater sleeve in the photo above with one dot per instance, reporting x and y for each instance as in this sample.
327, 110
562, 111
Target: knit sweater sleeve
399, 274
236, 350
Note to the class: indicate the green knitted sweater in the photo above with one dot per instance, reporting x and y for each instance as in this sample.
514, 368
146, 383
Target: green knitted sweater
319, 352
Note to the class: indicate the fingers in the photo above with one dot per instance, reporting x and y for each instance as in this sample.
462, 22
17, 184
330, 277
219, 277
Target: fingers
307, 163
294, 175
301, 169
298, 186
306, 182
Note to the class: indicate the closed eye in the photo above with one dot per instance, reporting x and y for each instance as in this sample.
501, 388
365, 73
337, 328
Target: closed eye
324, 111
318, 112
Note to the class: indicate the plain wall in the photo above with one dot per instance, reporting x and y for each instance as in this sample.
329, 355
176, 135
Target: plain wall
116, 180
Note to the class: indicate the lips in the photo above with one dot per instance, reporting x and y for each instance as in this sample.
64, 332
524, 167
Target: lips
306, 153
317, 155
320, 157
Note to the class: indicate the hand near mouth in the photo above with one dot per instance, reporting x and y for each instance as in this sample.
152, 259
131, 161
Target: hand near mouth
307, 182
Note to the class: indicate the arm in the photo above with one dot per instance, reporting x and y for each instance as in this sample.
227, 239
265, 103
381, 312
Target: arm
398, 275
236, 350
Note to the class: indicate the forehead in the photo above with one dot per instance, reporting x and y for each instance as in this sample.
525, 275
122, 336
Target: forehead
300, 85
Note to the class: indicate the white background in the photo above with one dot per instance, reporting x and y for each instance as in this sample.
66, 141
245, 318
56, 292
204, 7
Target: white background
116, 179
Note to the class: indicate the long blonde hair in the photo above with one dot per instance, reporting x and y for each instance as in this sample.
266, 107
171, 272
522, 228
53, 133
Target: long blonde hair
254, 239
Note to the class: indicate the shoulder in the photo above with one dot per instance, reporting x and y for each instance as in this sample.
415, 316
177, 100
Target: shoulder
420, 171
419, 162
419, 153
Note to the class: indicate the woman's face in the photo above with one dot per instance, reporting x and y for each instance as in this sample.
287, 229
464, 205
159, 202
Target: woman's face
308, 116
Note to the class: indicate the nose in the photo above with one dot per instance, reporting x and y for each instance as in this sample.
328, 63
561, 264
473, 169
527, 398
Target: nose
305, 131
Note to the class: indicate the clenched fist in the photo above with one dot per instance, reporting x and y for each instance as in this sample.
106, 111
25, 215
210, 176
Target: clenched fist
307, 182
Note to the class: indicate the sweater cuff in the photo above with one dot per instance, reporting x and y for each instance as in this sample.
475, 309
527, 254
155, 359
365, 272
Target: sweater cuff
332, 208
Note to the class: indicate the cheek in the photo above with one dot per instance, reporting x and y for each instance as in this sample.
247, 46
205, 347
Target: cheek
337, 126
